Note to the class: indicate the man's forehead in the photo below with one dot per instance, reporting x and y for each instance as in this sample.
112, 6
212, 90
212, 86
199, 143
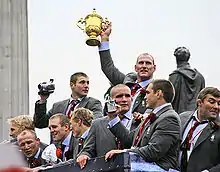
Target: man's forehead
209, 96
145, 57
54, 121
121, 90
25, 137
82, 78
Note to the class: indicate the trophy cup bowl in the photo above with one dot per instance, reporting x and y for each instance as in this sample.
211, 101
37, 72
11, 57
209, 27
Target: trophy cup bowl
92, 25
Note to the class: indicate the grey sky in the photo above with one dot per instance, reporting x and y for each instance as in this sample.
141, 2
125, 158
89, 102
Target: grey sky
57, 46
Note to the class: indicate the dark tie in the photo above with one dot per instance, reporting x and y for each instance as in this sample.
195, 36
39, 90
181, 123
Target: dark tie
134, 89
150, 119
81, 140
33, 162
72, 106
187, 143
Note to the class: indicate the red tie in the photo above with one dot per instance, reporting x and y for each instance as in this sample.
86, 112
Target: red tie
190, 133
151, 117
72, 106
134, 89
186, 144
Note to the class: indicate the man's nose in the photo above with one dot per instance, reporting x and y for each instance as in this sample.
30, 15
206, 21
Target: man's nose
26, 146
216, 105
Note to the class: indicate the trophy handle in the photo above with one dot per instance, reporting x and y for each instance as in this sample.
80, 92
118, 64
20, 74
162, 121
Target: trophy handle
80, 24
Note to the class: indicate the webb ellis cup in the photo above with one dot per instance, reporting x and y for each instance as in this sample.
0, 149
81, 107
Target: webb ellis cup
92, 25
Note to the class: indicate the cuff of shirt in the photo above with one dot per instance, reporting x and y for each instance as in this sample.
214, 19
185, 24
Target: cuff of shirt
113, 122
104, 46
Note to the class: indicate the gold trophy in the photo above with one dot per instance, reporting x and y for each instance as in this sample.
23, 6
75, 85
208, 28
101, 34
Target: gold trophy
92, 25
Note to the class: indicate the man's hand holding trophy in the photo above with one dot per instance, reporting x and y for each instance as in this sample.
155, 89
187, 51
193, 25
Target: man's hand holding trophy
94, 25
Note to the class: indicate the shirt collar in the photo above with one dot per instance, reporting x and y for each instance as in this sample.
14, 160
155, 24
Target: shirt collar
85, 134
37, 154
66, 141
195, 116
157, 109
128, 114
79, 99
145, 83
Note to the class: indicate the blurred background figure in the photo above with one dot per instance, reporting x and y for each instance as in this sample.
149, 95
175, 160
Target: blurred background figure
17, 125
13, 157
187, 82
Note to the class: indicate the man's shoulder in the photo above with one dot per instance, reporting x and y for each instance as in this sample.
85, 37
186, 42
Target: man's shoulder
91, 99
185, 114
169, 114
100, 120
61, 102
130, 78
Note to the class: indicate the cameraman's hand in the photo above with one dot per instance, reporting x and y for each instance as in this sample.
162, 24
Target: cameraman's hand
43, 98
112, 115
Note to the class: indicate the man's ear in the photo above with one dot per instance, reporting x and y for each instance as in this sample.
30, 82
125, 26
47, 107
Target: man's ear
67, 127
135, 68
159, 93
199, 102
38, 140
71, 84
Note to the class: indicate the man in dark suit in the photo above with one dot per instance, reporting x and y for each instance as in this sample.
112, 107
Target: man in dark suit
81, 120
188, 82
63, 138
79, 84
100, 140
200, 147
30, 146
144, 68
157, 137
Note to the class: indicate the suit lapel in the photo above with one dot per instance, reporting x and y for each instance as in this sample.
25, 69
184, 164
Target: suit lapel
65, 106
207, 131
138, 100
157, 116
166, 108
83, 102
184, 123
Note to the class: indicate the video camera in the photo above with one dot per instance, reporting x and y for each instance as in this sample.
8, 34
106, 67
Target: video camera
110, 105
46, 88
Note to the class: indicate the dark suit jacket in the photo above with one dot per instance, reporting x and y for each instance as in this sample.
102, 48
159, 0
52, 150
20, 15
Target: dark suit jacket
99, 140
206, 152
73, 148
117, 77
159, 143
41, 117
38, 162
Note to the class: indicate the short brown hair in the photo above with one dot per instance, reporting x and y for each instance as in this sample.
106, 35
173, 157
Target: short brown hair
82, 114
208, 90
63, 119
75, 76
24, 122
166, 87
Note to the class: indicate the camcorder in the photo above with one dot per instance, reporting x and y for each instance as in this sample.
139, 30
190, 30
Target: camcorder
110, 105
46, 88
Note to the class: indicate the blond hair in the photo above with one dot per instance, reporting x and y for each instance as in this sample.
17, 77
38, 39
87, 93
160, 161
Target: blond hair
82, 114
24, 122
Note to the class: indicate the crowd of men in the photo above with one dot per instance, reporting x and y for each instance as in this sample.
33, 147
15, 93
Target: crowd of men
172, 124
